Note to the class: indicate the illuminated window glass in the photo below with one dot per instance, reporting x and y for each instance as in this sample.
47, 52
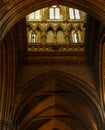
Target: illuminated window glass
74, 13
34, 15
57, 13
31, 16
75, 37
54, 12
51, 13
77, 14
71, 12
33, 37
37, 14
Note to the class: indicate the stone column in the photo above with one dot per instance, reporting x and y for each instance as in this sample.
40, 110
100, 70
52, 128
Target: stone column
67, 37
4, 125
6, 83
43, 37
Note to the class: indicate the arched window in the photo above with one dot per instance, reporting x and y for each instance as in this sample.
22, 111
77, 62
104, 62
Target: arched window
31, 15
74, 14
37, 14
75, 37
71, 13
33, 37
54, 12
34, 15
77, 14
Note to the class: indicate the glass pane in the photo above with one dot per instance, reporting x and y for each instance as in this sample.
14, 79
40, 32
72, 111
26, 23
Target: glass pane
31, 16
57, 13
51, 13
37, 14
71, 13
54, 6
33, 37
75, 39
77, 14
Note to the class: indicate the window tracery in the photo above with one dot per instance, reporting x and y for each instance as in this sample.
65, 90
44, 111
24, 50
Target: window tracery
74, 14
54, 13
75, 37
33, 37
54, 29
34, 15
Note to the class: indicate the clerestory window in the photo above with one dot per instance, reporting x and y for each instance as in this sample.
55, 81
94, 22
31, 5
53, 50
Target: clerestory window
54, 13
34, 15
56, 27
74, 14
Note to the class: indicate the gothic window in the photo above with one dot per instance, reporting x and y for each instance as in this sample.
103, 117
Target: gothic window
77, 14
56, 24
34, 15
71, 13
74, 14
33, 37
37, 14
31, 15
75, 37
54, 12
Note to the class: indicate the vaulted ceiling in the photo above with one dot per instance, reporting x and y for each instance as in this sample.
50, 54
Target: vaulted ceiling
53, 94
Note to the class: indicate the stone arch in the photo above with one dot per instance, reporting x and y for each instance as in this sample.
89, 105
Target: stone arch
15, 13
38, 26
102, 69
57, 83
60, 35
50, 35
70, 32
81, 33
50, 26
60, 26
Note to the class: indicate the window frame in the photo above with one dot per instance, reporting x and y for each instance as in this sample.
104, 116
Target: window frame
56, 13
74, 14
33, 37
35, 15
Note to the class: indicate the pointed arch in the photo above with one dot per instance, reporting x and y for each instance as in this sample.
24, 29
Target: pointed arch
55, 82
38, 35
102, 69
10, 19
49, 26
50, 35
60, 35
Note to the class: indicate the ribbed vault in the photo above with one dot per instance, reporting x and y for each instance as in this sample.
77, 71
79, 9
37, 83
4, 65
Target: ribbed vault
53, 100
57, 100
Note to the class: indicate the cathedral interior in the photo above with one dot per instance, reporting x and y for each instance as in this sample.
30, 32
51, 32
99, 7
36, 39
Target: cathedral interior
52, 63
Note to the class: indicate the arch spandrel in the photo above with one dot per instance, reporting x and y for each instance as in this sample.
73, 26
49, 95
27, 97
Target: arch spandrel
16, 10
